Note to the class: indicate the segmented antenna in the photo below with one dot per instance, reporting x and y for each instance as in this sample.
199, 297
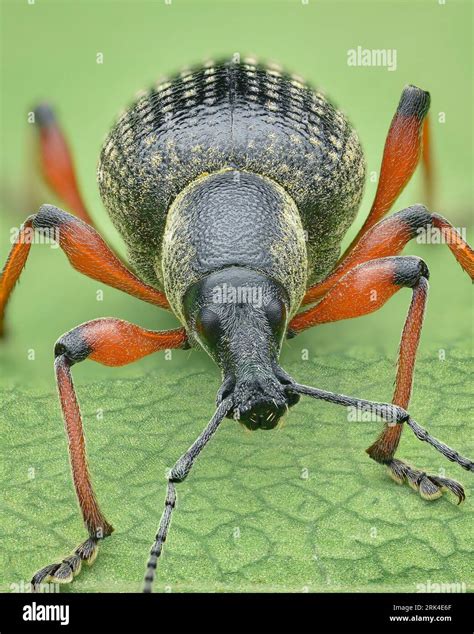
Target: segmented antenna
391, 414
177, 474
449, 453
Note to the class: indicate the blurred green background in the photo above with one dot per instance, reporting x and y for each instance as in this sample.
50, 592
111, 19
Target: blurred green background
49, 51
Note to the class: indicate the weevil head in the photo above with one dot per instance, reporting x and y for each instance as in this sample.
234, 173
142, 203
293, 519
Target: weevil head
240, 318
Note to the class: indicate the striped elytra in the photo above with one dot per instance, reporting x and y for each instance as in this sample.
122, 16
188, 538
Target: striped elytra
243, 117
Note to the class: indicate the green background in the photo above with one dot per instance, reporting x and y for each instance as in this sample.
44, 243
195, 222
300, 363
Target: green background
155, 408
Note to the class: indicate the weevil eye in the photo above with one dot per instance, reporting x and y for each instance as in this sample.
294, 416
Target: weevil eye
275, 311
208, 325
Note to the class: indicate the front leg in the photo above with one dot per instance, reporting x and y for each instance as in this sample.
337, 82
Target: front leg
111, 342
363, 290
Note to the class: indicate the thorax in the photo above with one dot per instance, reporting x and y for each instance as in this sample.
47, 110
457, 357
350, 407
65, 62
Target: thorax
232, 218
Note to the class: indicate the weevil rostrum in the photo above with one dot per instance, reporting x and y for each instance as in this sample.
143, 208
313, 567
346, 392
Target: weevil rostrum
232, 185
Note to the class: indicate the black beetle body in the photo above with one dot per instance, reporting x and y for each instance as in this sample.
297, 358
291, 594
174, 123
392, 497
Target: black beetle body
232, 186
232, 164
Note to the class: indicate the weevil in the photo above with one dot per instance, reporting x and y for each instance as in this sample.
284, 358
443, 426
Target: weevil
233, 185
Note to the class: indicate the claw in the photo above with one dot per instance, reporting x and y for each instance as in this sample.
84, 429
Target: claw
430, 487
451, 485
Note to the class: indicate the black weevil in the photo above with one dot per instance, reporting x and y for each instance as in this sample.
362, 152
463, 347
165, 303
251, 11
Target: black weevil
233, 185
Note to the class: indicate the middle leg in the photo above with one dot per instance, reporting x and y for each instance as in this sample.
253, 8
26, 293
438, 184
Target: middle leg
86, 251
389, 237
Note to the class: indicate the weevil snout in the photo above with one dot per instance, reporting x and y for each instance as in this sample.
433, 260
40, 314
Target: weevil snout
259, 403
239, 316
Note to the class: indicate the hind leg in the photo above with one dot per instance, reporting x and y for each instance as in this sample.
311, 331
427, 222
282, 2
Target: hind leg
56, 162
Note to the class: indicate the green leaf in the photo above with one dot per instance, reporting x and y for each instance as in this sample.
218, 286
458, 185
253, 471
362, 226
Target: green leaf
301, 508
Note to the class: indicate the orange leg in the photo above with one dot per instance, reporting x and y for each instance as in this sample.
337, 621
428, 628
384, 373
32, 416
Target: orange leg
86, 251
363, 290
407, 140
389, 237
111, 342
401, 154
56, 162
427, 161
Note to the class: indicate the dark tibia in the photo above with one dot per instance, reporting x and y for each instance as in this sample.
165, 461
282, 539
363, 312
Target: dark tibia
177, 474
389, 413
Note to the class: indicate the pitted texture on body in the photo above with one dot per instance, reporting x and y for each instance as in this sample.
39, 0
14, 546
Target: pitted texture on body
233, 218
228, 115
